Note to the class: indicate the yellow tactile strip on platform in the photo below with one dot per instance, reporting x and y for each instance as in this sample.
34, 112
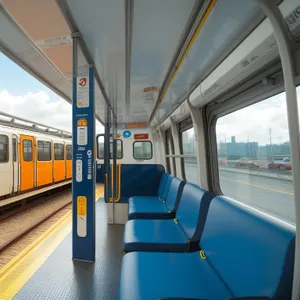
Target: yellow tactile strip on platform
20, 269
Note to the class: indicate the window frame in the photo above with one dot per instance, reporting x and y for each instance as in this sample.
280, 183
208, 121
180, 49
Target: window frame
122, 152
170, 145
63, 154
142, 141
43, 154
69, 146
245, 96
7, 149
23, 148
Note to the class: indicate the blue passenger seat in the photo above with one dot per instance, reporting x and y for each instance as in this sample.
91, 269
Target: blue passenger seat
145, 207
164, 208
246, 254
175, 235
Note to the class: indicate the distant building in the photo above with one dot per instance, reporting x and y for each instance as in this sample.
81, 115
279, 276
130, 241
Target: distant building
276, 152
234, 150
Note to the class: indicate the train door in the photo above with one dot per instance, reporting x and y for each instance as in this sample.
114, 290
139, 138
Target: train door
68, 161
5, 166
59, 162
27, 168
15, 163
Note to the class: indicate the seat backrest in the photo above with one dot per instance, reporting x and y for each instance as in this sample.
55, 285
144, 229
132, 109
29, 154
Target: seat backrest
253, 252
162, 183
166, 187
174, 194
192, 210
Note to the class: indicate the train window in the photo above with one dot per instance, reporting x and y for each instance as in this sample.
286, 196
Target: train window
254, 157
59, 152
171, 165
142, 150
27, 150
119, 149
3, 148
190, 167
14, 149
44, 151
69, 152
101, 147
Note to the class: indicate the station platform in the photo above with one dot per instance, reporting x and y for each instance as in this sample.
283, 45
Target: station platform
47, 271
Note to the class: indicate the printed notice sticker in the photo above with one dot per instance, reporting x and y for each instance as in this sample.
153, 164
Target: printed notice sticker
150, 93
83, 91
81, 216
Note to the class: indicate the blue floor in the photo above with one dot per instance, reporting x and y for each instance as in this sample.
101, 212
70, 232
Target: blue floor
62, 278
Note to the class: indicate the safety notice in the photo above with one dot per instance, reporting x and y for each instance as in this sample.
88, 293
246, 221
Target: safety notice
81, 216
83, 91
150, 93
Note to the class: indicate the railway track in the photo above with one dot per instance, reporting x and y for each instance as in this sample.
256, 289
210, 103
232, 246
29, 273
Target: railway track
20, 229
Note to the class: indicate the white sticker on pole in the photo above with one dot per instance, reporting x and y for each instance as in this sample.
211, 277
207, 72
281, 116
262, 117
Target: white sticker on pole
82, 132
54, 42
81, 216
83, 91
78, 170
150, 93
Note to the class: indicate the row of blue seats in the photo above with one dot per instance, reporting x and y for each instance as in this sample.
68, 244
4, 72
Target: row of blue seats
203, 248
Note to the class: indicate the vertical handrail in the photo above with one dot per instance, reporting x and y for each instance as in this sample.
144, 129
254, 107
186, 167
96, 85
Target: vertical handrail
281, 34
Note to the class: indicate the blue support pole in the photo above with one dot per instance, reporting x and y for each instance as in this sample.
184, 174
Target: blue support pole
83, 179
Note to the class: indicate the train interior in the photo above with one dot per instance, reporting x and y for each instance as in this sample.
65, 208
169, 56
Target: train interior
199, 159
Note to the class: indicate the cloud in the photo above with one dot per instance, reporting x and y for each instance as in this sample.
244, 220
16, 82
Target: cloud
255, 122
39, 107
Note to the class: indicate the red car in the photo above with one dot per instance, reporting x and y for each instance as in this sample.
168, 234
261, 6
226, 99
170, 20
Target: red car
284, 164
246, 162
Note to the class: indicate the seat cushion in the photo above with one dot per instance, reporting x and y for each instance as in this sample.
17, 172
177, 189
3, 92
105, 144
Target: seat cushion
147, 208
150, 276
154, 235
252, 251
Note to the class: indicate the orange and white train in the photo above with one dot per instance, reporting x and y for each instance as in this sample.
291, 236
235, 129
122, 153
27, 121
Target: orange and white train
30, 160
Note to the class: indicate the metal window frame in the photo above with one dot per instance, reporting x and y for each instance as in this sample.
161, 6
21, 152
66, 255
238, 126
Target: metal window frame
7, 149
147, 141
184, 125
252, 91
115, 141
170, 144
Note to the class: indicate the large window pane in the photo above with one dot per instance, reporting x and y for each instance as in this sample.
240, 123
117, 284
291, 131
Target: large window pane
101, 147
59, 153
190, 164
69, 152
142, 150
27, 150
254, 157
44, 151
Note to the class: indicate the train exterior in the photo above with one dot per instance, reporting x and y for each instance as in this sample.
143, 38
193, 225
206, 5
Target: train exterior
30, 160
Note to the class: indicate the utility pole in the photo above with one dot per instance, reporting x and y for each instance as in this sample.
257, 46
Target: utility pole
270, 135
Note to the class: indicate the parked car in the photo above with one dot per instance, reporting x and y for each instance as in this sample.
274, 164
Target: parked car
246, 162
284, 164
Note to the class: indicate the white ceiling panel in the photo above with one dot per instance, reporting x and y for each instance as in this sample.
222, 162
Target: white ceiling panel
157, 30
102, 25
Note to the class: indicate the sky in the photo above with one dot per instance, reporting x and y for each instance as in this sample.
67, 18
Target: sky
254, 122
24, 96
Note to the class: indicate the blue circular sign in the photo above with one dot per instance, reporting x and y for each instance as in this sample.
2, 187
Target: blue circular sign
126, 134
